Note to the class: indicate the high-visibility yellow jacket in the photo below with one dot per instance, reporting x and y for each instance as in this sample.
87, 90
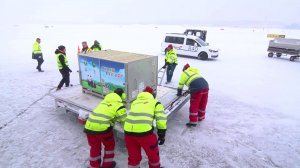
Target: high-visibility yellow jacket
104, 116
171, 57
192, 79
36, 48
59, 64
96, 47
144, 110
86, 50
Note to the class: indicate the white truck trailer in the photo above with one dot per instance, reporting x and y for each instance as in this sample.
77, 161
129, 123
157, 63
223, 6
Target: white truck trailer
284, 46
101, 72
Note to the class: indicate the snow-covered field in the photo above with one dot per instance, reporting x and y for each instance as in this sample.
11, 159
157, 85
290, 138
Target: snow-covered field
253, 111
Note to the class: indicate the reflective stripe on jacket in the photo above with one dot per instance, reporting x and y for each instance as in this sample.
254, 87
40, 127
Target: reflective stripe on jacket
106, 113
36, 48
58, 61
142, 113
191, 78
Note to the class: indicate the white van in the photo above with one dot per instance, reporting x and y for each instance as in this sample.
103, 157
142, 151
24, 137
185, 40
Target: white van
189, 45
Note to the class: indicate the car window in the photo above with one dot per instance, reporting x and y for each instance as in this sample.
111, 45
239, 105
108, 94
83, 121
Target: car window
169, 39
179, 40
198, 34
176, 40
201, 42
191, 42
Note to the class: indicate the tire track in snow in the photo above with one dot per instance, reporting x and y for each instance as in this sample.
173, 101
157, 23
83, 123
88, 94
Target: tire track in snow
27, 108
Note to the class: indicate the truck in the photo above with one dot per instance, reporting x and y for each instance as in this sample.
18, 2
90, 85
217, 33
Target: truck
100, 71
284, 46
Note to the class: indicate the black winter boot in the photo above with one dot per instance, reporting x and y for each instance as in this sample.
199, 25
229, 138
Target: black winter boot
190, 125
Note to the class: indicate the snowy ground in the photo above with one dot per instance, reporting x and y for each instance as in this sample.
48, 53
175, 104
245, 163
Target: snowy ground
252, 116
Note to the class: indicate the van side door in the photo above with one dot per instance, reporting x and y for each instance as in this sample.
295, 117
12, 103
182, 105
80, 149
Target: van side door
178, 45
192, 47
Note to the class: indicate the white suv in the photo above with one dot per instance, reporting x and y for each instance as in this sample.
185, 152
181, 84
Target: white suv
189, 45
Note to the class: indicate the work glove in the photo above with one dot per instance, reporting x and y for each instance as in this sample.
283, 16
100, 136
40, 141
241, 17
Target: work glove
161, 136
164, 67
179, 92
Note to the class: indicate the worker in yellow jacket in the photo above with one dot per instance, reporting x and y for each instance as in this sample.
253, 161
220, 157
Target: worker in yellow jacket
170, 62
85, 47
96, 46
139, 128
63, 66
99, 128
198, 88
37, 54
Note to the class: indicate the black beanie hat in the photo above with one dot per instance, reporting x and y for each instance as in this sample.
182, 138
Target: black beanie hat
119, 91
61, 47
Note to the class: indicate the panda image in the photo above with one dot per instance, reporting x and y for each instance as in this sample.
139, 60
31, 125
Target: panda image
90, 81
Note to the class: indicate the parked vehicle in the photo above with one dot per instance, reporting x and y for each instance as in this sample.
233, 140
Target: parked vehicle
199, 33
284, 46
189, 45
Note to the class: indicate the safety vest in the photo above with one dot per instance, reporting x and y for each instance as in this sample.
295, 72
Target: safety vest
142, 113
36, 48
106, 113
188, 76
171, 57
58, 61
87, 50
96, 47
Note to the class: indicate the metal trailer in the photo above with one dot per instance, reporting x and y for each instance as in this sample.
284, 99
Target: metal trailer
73, 100
284, 46
81, 100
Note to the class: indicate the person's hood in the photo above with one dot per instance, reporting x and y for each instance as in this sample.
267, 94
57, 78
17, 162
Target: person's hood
57, 51
194, 70
112, 98
145, 95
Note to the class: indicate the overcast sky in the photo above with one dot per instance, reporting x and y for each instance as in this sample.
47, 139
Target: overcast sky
206, 12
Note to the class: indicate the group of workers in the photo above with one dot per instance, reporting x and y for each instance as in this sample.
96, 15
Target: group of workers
95, 47
138, 123
61, 59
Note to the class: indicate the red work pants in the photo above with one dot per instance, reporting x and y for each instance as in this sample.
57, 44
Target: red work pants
198, 104
150, 146
95, 141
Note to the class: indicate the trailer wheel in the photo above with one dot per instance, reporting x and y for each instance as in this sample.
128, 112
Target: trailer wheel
203, 56
278, 54
270, 54
292, 58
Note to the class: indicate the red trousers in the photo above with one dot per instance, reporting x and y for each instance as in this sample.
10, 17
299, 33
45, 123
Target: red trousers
198, 104
150, 146
95, 141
